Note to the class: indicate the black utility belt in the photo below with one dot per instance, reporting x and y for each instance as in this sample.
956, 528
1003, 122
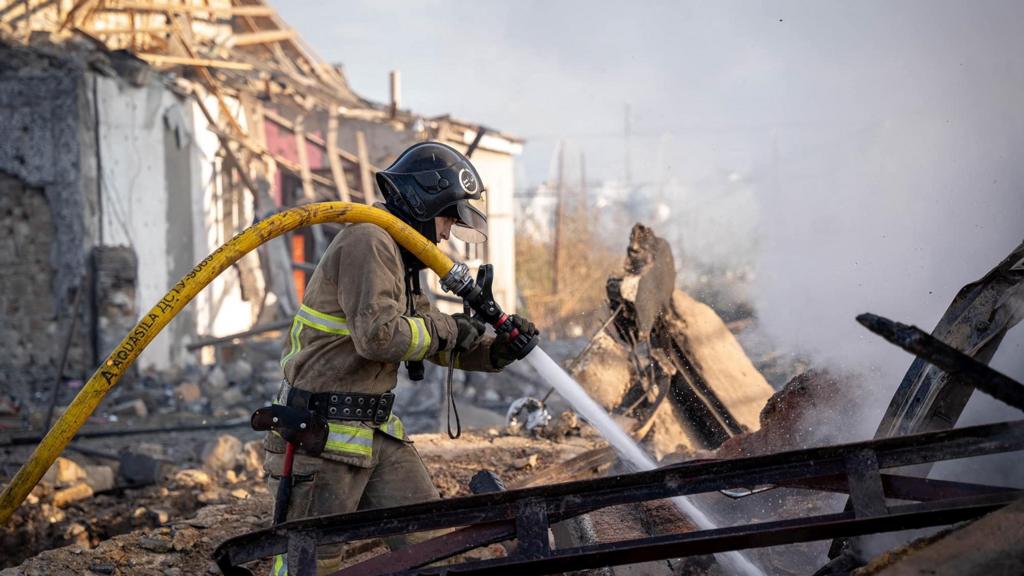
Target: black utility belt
374, 408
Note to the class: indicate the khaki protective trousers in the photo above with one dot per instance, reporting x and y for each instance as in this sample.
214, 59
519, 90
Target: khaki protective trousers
396, 477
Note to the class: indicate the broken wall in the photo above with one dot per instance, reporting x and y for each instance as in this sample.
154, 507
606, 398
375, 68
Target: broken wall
102, 152
221, 207
115, 294
44, 208
140, 210
168, 194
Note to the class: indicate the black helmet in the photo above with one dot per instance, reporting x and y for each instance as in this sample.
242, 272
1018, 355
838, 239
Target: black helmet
432, 179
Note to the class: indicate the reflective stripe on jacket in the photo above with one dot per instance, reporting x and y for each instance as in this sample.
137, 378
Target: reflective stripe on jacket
280, 567
419, 339
350, 441
353, 330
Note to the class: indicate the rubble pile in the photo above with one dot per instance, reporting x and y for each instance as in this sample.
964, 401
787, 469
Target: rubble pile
178, 548
667, 364
664, 364
225, 391
182, 540
84, 500
800, 415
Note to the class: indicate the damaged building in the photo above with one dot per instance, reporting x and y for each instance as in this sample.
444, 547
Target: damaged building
149, 137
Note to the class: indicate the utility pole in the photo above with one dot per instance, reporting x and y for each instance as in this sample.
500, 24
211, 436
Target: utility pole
395, 85
559, 219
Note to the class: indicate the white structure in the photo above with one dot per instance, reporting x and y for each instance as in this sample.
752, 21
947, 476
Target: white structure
163, 194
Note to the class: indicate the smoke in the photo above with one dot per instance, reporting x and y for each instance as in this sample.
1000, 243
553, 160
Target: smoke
894, 221
877, 155
874, 145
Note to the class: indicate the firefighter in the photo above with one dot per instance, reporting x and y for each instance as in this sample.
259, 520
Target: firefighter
363, 313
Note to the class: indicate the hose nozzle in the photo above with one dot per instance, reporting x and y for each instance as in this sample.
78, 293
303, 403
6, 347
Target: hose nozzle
480, 299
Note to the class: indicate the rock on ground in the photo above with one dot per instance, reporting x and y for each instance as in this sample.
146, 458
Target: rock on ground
221, 454
64, 472
184, 545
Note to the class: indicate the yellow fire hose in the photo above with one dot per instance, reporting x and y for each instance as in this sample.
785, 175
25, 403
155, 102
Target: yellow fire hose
108, 374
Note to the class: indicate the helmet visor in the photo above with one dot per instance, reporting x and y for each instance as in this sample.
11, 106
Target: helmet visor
470, 224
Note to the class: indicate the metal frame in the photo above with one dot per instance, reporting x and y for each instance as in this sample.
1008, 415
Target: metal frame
732, 538
942, 365
526, 514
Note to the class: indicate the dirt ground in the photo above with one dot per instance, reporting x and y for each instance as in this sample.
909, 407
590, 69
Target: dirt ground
181, 540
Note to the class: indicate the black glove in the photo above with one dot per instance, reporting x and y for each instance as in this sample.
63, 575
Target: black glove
470, 332
501, 350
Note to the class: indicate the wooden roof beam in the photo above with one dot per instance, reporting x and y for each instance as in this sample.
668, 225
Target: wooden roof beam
242, 171
324, 72
308, 192
17, 11
211, 83
282, 162
141, 30
157, 59
337, 170
262, 37
190, 9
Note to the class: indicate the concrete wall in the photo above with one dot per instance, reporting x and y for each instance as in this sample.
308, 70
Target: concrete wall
166, 195
134, 188
43, 211
90, 160
28, 315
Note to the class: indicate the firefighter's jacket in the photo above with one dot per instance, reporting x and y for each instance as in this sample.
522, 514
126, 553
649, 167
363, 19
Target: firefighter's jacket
353, 330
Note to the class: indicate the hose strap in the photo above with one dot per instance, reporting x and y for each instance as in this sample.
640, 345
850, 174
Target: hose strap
451, 401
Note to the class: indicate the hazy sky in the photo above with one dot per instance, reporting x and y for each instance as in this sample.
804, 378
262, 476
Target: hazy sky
879, 142
716, 79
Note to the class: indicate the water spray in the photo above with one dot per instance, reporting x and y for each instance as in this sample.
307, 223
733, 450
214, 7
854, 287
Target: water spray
478, 296
734, 562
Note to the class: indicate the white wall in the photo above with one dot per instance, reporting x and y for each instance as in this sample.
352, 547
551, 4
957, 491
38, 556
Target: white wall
131, 141
498, 173
220, 310
135, 206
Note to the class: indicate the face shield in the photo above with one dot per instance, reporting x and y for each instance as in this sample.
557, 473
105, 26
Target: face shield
470, 224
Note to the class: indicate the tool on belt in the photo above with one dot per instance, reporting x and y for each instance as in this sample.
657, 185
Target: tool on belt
299, 428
